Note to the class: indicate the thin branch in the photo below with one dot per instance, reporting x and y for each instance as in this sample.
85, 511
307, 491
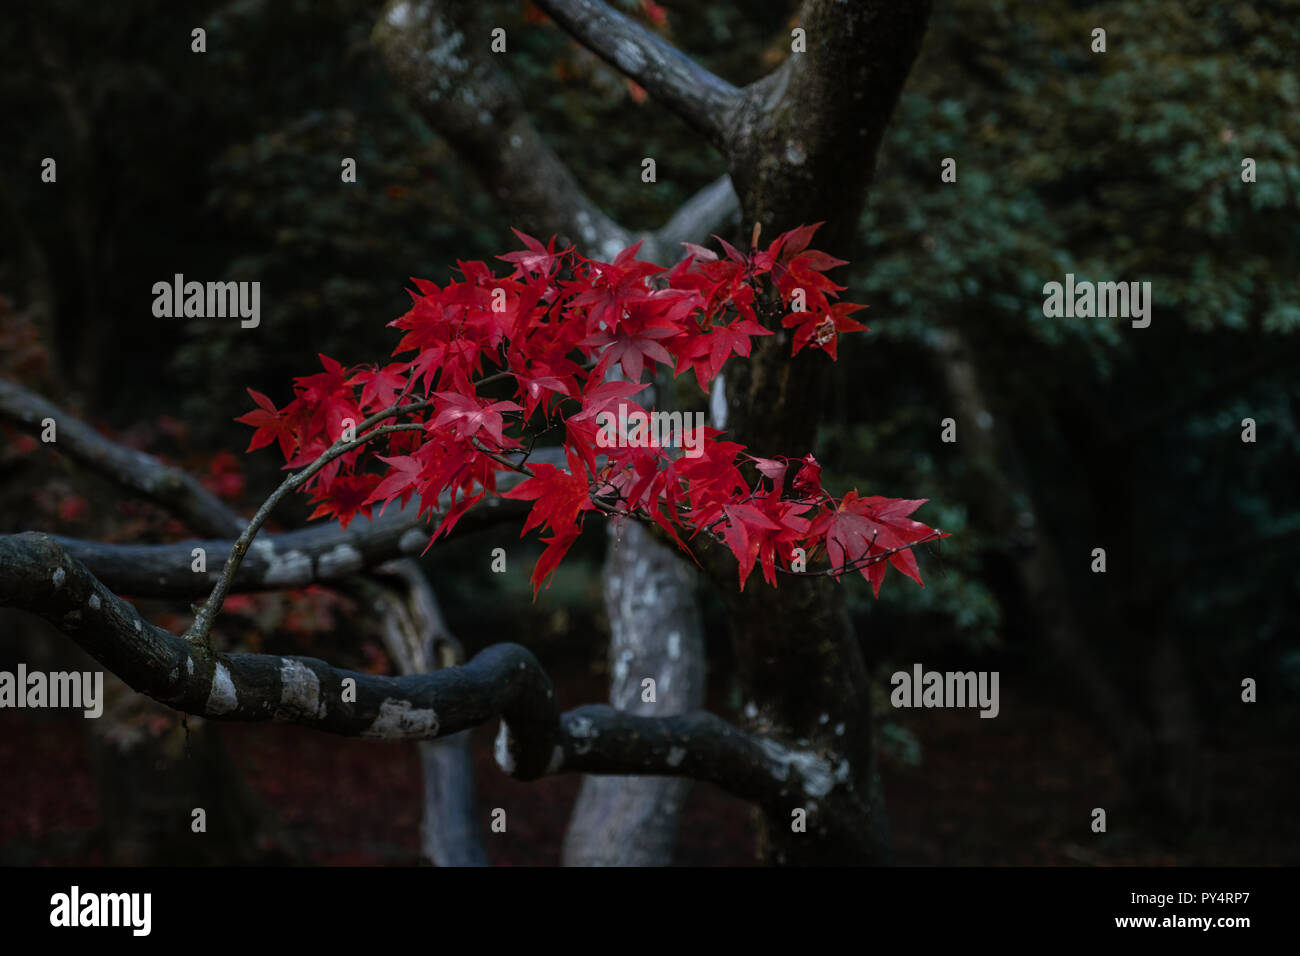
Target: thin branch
393, 412
857, 564
518, 467
706, 102
204, 615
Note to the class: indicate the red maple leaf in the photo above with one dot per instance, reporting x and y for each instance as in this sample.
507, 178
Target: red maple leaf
821, 329
468, 416
808, 479
862, 527
271, 425
560, 496
708, 351
380, 386
604, 396
536, 258
760, 531
557, 545
347, 495
400, 481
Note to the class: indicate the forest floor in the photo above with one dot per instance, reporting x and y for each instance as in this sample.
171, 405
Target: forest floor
1020, 795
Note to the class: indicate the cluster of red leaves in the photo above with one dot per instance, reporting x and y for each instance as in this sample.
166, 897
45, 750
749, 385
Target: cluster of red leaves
489, 363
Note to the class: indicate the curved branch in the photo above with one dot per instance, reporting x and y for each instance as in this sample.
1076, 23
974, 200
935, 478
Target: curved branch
503, 680
705, 101
178, 492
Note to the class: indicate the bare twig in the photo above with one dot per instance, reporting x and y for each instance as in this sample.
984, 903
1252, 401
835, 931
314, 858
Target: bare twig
204, 615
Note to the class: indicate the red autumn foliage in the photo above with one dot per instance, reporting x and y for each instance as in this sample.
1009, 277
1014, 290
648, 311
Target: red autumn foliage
489, 363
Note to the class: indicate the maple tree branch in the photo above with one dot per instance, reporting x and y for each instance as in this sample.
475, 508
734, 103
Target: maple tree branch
184, 496
710, 534
172, 488
396, 410
504, 680
205, 614
705, 101
516, 467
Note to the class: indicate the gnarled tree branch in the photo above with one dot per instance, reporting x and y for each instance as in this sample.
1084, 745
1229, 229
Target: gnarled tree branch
706, 102
504, 680
458, 88
401, 595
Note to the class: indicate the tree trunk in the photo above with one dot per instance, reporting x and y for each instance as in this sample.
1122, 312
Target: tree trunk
655, 633
803, 151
